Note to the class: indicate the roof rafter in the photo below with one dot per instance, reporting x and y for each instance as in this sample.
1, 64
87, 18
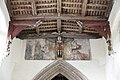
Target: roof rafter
33, 5
62, 17
59, 7
84, 6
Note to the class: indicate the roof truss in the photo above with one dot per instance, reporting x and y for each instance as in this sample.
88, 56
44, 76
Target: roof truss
59, 16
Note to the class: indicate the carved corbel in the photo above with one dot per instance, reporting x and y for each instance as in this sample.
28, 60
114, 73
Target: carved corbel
15, 29
110, 48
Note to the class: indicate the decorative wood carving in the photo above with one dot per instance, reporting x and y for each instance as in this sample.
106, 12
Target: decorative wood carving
48, 26
58, 16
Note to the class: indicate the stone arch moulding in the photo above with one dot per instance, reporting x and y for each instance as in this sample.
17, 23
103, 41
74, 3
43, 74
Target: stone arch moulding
60, 67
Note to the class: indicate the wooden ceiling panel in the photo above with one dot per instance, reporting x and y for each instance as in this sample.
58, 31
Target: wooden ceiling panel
59, 16
36, 8
20, 7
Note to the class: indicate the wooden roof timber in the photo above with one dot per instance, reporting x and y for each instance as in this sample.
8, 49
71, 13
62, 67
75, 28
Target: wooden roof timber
32, 9
32, 22
59, 16
62, 17
65, 35
95, 27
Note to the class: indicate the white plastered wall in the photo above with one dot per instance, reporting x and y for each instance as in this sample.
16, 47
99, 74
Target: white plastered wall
4, 21
6, 66
113, 61
93, 69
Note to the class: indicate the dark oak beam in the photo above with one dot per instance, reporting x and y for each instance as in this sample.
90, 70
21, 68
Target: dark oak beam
23, 23
34, 11
82, 36
59, 10
59, 6
55, 17
65, 35
46, 4
59, 25
101, 27
85, 22
84, 6
72, 3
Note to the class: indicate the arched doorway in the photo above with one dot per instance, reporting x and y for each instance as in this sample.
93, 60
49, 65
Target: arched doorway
60, 69
59, 77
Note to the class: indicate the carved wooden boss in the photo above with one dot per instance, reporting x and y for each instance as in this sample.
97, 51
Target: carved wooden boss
71, 18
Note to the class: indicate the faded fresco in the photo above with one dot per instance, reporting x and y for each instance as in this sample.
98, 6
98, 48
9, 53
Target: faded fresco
78, 49
43, 49
39, 49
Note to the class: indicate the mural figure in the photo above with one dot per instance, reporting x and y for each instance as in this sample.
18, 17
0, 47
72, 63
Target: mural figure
28, 51
78, 49
59, 46
75, 50
44, 49
38, 53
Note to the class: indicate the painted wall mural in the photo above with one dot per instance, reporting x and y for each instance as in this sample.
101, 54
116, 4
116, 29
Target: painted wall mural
44, 49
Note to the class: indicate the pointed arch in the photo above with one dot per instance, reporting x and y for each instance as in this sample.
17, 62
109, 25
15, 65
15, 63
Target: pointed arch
60, 67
